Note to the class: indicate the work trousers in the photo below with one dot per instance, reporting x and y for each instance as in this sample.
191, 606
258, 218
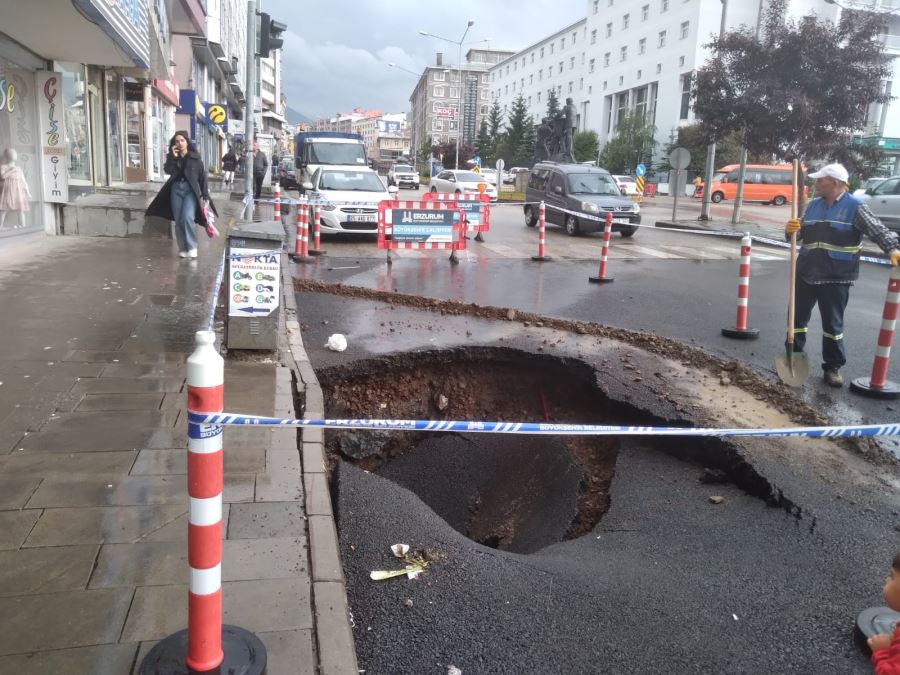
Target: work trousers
832, 300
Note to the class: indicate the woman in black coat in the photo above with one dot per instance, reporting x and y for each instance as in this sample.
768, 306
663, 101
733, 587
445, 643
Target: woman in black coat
181, 198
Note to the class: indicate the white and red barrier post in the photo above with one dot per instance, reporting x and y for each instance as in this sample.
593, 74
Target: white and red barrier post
540, 257
277, 211
317, 235
206, 644
601, 277
301, 240
878, 386
741, 330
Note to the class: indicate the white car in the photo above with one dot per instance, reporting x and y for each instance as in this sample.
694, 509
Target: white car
351, 195
403, 174
626, 183
510, 177
490, 176
465, 182
868, 184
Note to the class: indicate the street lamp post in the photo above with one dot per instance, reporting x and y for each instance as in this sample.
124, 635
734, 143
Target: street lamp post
414, 150
459, 44
711, 150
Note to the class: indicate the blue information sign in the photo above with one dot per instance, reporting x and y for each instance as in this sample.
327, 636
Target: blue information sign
422, 226
640, 170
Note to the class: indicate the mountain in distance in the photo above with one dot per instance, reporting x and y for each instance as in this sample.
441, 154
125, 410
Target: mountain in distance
296, 117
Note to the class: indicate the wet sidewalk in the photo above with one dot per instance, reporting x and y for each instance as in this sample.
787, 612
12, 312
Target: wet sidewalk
93, 496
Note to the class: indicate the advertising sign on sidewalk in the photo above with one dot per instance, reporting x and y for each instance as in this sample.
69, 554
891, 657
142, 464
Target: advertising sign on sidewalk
253, 282
54, 172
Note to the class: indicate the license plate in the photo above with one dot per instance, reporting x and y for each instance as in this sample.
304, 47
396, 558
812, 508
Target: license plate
622, 221
362, 219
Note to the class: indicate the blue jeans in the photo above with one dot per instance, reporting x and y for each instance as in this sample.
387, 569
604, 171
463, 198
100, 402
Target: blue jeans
832, 300
184, 208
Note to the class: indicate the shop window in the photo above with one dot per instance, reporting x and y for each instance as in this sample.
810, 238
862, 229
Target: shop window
78, 149
19, 162
114, 118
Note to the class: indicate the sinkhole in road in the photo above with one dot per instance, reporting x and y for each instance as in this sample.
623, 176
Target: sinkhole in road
517, 493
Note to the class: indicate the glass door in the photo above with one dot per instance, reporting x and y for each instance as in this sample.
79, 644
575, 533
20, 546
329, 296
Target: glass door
134, 150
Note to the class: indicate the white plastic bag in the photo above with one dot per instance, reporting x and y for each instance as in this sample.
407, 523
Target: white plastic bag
336, 343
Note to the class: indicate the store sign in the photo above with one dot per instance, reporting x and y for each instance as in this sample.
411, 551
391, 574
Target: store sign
448, 113
253, 282
134, 91
387, 127
7, 96
54, 174
235, 127
215, 113
126, 22
168, 89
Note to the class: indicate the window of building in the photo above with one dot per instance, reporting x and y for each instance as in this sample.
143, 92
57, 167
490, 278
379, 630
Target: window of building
437, 124
560, 66
539, 97
542, 52
515, 66
532, 57
611, 3
591, 66
658, 68
625, 20
685, 96
596, 6
685, 29
663, 5
572, 63
541, 74
621, 79
574, 35
454, 92
514, 87
680, 61
590, 89
640, 102
623, 54
604, 85
551, 47
645, 12
609, 30
662, 39
531, 79
562, 43
505, 89
639, 73
580, 83
642, 46
439, 76
621, 107
594, 36
438, 92
507, 69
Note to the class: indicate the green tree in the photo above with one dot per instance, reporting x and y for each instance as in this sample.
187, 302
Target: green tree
516, 135
495, 128
447, 152
586, 146
553, 110
800, 91
633, 144
425, 150
526, 147
728, 150
484, 144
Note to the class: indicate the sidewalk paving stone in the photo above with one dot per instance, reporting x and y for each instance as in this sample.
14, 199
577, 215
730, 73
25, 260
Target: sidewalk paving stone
15, 492
46, 464
46, 570
115, 658
116, 402
266, 519
120, 524
127, 385
170, 462
15, 527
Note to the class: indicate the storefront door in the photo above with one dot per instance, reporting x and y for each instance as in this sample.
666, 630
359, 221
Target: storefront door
135, 171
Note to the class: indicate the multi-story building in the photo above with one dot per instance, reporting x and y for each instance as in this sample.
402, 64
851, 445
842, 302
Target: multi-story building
438, 103
640, 55
273, 100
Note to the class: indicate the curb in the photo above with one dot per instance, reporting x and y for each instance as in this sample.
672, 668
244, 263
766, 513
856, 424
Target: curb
331, 611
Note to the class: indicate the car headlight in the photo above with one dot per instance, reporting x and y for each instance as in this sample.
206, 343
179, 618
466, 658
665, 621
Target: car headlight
590, 207
637, 208
328, 207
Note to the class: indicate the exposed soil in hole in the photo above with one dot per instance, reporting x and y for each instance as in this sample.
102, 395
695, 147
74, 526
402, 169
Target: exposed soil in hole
517, 493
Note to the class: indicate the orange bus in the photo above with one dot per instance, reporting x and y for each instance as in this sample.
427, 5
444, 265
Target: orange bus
767, 183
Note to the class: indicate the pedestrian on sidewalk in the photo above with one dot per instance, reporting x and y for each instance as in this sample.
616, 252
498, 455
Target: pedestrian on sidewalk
185, 196
229, 164
260, 164
830, 233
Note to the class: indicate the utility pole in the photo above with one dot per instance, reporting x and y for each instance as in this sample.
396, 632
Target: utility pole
711, 150
249, 131
739, 197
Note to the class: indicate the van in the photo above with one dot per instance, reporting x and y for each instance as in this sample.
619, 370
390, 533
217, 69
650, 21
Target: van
571, 192
767, 183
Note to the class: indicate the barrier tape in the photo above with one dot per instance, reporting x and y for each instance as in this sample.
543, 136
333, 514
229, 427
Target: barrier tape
783, 244
549, 429
217, 285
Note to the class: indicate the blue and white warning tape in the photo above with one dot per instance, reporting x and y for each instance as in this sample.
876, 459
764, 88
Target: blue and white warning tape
548, 429
217, 284
783, 244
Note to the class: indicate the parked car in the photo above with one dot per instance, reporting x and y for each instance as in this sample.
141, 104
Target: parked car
510, 176
490, 175
867, 184
586, 190
352, 194
403, 175
884, 200
627, 183
457, 180
287, 177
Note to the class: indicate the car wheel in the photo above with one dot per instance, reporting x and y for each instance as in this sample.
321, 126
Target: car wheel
629, 232
434, 190
717, 197
572, 228
530, 218
779, 201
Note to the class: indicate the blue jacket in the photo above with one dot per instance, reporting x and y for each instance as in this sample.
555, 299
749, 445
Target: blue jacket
830, 244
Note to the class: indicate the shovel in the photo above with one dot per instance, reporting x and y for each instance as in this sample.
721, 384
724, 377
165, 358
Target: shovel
792, 368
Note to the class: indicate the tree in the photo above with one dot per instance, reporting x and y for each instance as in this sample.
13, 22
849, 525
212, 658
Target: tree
728, 150
526, 147
447, 152
633, 144
553, 110
426, 150
484, 144
495, 131
801, 91
586, 146
516, 139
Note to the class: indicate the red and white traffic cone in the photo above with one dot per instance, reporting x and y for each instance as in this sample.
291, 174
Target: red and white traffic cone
740, 330
604, 253
277, 210
206, 644
540, 257
878, 386
301, 242
317, 241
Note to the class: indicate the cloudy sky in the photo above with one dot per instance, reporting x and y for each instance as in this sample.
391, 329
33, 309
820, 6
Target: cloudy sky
336, 53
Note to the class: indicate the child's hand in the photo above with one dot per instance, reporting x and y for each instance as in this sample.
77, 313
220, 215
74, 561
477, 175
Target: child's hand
881, 641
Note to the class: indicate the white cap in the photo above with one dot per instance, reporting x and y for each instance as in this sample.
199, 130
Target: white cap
836, 171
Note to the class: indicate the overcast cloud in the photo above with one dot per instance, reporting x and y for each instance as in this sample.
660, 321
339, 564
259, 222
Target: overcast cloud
336, 53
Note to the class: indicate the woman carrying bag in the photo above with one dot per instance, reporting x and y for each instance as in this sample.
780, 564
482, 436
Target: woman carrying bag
185, 196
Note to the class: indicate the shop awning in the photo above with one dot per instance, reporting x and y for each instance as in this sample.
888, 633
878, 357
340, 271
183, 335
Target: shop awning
83, 31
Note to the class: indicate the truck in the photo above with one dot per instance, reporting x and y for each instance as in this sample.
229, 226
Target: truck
314, 149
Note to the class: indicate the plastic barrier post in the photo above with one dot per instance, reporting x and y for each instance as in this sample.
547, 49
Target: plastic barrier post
206, 644
317, 241
301, 243
740, 330
878, 386
540, 257
277, 205
604, 253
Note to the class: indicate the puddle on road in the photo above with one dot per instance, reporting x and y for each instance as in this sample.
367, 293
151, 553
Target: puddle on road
517, 493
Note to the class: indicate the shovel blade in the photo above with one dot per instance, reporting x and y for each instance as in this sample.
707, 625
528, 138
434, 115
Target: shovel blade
793, 369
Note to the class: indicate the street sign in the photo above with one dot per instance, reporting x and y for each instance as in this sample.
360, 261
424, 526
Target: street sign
639, 182
500, 164
640, 170
477, 160
680, 158
253, 282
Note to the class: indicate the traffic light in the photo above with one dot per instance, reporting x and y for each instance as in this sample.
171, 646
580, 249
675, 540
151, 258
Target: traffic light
269, 34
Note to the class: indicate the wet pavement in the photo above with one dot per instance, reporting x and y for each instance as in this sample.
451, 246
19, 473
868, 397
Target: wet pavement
93, 495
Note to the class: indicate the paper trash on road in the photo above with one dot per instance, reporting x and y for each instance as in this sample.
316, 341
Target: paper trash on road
411, 571
336, 343
400, 550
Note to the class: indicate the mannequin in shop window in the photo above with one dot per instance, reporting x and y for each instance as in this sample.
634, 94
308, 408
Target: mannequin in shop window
14, 192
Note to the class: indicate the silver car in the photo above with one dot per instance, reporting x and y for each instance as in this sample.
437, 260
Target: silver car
884, 200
